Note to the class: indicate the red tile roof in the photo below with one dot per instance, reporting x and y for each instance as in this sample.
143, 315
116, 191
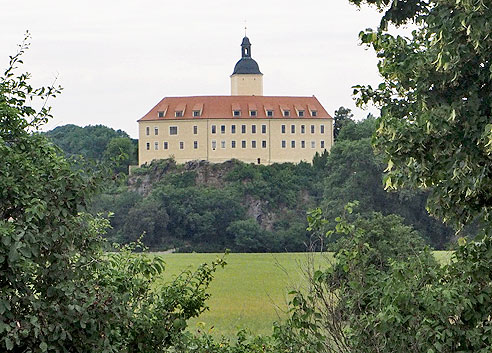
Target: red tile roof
221, 107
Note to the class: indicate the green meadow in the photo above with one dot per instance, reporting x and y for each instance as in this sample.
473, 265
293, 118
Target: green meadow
251, 291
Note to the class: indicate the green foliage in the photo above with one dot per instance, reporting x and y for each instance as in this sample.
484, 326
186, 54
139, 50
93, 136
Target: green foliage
58, 291
343, 117
436, 102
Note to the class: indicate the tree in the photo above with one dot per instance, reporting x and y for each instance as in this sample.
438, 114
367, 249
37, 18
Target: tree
436, 102
343, 116
58, 291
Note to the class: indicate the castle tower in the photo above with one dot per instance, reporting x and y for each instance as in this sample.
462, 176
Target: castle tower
246, 80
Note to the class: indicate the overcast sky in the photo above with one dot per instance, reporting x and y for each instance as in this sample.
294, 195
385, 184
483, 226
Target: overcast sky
117, 59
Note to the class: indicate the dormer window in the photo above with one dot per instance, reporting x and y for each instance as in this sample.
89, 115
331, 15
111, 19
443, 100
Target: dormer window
314, 113
236, 113
300, 113
269, 113
286, 112
252, 113
196, 113
178, 113
160, 114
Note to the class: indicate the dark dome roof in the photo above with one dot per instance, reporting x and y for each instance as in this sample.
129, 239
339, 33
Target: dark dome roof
247, 66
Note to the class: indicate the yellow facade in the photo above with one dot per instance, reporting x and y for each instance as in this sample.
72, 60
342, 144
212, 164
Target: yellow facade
259, 141
246, 85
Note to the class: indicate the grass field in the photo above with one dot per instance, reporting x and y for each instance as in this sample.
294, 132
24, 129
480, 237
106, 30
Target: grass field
251, 292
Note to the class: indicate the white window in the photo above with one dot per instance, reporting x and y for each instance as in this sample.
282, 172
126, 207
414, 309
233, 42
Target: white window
293, 129
160, 114
148, 146
165, 145
195, 130
195, 145
243, 129
233, 144
233, 129
214, 144
303, 129
253, 129
173, 130
178, 113
156, 131
303, 144
252, 113
283, 129
269, 112
263, 144
243, 144
300, 113
147, 131
222, 144
263, 129
313, 144
283, 143
214, 129
293, 144
286, 112
322, 129
222, 129
253, 144
196, 113
236, 113
156, 146
181, 145
322, 144
312, 129
314, 113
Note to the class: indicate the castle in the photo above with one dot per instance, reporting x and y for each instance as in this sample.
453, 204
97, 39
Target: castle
245, 125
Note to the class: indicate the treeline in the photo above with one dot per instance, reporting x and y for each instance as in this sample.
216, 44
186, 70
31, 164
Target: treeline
200, 206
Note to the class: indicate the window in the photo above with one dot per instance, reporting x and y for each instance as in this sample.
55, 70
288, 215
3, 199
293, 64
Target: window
243, 129
293, 144
233, 144
263, 129
243, 144
322, 129
233, 129
195, 130
236, 113
283, 129
156, 131
214, 129
303, 129
286, 112
178, 113
156, 146
300, 113
293, 129
263, 144
253, 129
322, 144
148, 146
303, 144
160, 114
222, 129
181, 145
314, 113
269, 112
313, 144
147, 131
222, 144
196, 113
253, 144
195, 145
165, 145
312, 129
214, 144
283, 144
252, 113
173, 130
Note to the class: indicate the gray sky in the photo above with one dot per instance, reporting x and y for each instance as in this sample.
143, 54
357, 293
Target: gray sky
117, 59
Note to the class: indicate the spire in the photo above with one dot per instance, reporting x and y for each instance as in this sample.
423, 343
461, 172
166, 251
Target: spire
246, 48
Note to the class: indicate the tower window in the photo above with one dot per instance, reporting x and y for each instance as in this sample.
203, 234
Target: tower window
236, 113
173, 130
269, 112
196, 113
